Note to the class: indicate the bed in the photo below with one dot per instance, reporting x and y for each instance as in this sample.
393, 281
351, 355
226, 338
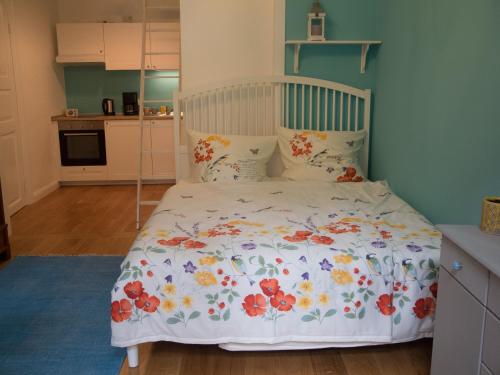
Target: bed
277, 264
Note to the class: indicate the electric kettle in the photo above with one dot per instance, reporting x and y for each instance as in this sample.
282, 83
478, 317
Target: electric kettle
108, 107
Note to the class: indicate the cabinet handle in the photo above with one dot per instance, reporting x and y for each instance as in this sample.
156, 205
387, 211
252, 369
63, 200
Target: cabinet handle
456, 266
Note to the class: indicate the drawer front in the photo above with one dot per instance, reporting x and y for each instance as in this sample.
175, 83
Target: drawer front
494, 295
485, 370
491, 344
88, 173
465, 269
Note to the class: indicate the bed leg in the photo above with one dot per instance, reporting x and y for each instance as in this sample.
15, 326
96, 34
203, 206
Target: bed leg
133, 356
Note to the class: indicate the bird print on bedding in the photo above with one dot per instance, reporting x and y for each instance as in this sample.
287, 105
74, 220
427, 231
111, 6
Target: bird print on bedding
279, 261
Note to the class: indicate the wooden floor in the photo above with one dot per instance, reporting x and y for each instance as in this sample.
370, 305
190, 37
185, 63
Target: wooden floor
101, 220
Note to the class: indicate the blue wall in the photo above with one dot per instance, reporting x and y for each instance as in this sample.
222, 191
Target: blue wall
86, 86
436, 130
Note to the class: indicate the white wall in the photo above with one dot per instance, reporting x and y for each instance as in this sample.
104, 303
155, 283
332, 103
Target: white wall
113, 10
222, 40
40, 90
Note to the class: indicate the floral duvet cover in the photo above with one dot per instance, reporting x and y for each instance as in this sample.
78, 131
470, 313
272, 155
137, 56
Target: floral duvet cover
276, 262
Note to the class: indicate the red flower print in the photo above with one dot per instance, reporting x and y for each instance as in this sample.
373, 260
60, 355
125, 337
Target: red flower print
133, 289
224, 283
342, 227
347, 309
121, 310
222, 305
191, 244
176, 241
384, 304
282, 302
369, 282
357, 304
434, 289
286, 271
424, 307
234, 283
147, 303
202, 151
211, 311
299, 236
322, 240
144, 262
220, 271
385, 234
254, 304
227, 278
269, 287
300, 145
349, 176
356, 270
279, 260
303, 233
150, 273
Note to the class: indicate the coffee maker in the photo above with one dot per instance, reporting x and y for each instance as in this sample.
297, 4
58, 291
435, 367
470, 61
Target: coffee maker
130, 104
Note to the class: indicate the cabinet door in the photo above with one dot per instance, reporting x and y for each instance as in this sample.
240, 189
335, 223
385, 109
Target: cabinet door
165, 37
122, 151
458, 329
163, 154
80, 42
123, 46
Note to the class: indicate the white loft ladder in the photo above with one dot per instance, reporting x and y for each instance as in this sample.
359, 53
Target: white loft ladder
144, 53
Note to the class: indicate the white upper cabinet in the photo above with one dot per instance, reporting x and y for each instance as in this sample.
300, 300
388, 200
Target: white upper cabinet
123, 46
80, 42
164, 38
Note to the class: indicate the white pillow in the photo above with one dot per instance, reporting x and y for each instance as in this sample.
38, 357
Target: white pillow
323, 156
229, 157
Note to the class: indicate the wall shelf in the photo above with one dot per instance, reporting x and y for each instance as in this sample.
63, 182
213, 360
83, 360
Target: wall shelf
365, 46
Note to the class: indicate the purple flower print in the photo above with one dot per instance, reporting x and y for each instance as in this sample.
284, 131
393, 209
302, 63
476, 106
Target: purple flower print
303, 259
414, 248
248, 246
167, 261
379, 244
331, 216
189, 267
169, 279
305, 276
325, 265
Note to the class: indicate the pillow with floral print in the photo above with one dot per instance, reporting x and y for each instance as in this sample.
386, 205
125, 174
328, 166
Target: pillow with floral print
217, 157
324, 156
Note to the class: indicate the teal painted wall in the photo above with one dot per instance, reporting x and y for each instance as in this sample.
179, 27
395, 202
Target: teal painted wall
345, 19
436, 78
86, 86
436, 133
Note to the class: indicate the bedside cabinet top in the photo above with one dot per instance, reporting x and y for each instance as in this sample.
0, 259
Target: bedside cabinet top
485, 248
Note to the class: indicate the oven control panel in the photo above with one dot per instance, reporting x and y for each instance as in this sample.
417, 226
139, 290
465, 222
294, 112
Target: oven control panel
81, 125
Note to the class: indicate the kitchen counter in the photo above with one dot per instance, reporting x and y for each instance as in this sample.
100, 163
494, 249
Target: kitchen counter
108, 118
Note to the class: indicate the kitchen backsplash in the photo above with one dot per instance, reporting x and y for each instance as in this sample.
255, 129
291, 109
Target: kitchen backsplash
86, 86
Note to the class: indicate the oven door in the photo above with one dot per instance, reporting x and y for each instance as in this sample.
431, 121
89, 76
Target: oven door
82, 147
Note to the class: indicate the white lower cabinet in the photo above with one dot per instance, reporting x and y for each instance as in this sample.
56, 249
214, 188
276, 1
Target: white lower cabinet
122, 151
87, 173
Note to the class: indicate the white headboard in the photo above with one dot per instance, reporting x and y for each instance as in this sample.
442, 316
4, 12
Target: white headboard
256, 106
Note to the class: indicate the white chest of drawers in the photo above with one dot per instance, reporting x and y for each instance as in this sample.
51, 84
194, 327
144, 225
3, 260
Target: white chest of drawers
467, 326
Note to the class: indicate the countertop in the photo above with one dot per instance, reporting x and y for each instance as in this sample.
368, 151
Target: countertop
485, 248
108, 118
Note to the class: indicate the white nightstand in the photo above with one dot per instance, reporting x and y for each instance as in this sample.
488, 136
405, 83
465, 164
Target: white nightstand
467, 326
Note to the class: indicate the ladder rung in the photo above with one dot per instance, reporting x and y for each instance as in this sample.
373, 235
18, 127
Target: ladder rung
162, 31
161, 53
150, 203
155, 77
157, 100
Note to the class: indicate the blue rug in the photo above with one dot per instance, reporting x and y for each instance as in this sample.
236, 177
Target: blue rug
54, 316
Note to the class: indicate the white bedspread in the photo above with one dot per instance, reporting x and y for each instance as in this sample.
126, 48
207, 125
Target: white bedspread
279, 262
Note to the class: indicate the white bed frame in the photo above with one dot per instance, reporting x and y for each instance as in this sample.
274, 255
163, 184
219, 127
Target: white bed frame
257, 106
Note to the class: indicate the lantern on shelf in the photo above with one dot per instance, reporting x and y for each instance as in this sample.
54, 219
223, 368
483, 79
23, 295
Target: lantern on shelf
316, 22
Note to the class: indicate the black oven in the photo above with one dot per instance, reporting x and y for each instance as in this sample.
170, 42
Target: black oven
82, 143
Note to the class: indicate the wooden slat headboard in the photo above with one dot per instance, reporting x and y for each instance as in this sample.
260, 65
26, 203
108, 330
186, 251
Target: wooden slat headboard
257, 106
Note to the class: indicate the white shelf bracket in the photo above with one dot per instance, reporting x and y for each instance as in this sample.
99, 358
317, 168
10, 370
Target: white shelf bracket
364, 51
296, 57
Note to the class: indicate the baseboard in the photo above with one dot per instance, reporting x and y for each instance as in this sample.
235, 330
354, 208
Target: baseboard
43, 191
115, 183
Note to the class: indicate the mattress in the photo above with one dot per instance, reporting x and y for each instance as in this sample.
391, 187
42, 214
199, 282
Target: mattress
279, 263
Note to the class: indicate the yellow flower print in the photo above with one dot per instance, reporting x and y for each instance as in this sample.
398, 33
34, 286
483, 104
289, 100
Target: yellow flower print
305, 302
306, 286
352, 220
246, 223
208, 260
223, 141
162, 233
144, 233
168, 305
264, 232
204, 278
202, 234
323, 299
169, 289
343, 259
431, 233
187, 301
341, 277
